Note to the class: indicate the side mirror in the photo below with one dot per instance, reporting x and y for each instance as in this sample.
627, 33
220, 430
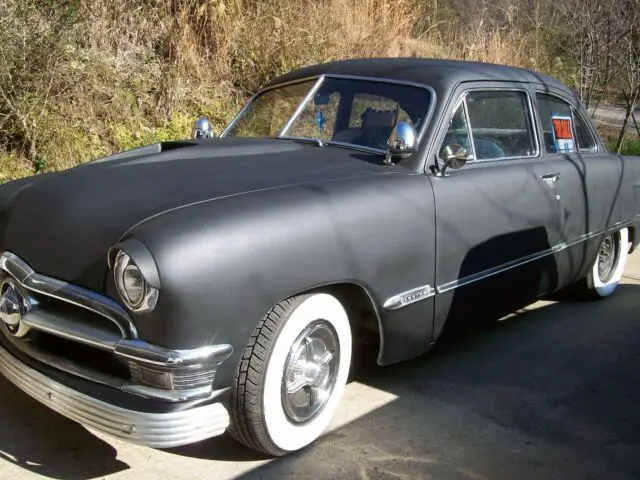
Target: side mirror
402, 142
202, 129
454, 156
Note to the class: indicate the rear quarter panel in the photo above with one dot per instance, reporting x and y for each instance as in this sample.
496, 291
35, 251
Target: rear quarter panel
628, 203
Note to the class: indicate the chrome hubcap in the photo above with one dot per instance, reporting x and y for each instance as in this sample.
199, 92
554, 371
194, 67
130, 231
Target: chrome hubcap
607, 257
310, 372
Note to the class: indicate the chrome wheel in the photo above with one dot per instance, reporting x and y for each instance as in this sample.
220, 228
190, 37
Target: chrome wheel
607, 257
310, 372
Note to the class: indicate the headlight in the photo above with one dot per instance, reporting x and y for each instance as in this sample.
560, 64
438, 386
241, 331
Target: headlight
135, 291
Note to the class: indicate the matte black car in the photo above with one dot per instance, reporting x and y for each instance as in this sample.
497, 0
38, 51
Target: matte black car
169, 293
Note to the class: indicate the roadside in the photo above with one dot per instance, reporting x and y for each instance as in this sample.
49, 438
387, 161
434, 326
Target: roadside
613, 116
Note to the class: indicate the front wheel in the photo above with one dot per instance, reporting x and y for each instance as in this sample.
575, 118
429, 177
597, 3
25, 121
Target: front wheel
608, 267
291, 375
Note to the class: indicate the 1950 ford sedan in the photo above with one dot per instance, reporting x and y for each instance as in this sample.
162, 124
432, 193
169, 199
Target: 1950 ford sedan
172, 292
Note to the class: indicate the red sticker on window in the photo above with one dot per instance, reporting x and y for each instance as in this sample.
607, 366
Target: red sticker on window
562, 127
563, 133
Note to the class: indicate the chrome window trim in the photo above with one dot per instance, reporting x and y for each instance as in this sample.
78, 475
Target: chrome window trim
421, 133
470, 135
238, 115
462, 98
301, 106
574, 107
35, 282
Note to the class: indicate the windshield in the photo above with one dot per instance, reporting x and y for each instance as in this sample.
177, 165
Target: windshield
334, 110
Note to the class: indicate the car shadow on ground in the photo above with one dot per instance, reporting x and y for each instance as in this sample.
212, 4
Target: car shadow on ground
43, 442
549, 392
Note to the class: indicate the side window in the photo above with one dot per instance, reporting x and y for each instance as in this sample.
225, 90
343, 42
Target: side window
500, 124
586, 142
564, 129
458, 131
553, 113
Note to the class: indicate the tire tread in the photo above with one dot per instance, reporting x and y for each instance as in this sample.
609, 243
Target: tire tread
246, 411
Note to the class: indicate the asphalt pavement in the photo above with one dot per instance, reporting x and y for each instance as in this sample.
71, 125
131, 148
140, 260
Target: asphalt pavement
550, 392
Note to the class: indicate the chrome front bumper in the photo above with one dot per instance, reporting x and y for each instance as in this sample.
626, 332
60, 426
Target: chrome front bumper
154, 372
158, 430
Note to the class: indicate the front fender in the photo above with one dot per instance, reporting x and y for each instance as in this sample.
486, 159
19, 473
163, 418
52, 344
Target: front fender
224, 263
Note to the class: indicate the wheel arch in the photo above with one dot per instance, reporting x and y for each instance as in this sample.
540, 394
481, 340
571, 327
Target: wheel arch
633, 236
362, 310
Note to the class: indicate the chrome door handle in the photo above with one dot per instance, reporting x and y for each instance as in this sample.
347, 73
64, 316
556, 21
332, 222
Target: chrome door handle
552, 177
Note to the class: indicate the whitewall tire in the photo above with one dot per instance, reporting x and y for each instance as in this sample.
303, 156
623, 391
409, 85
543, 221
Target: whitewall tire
292, 374
608, 267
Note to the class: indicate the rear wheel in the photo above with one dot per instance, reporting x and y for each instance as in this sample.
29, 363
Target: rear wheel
292, 374
608, 267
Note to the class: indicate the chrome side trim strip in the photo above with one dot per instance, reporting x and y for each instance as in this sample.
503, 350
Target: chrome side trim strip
157, 430
422, 293
461, 282
66, 292
410, 296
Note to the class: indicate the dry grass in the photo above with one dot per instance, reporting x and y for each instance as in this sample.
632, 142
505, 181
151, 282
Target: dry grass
81, 79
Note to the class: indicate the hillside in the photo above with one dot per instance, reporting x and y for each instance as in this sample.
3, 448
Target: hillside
81, 79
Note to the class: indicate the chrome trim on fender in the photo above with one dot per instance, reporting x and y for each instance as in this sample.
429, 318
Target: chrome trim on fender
422, 293
66, 292
461, 282
158, 430
410, 296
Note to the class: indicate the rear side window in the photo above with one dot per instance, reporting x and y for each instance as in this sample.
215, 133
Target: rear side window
493, 124
586, 142
500, 124
564, 129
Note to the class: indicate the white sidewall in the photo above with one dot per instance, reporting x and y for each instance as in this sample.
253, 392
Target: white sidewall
604, 289
284, 434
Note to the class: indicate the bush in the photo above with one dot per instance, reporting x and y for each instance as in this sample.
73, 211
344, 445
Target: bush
80, 80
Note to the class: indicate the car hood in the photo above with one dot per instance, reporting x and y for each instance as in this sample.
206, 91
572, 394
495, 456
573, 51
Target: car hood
63, 224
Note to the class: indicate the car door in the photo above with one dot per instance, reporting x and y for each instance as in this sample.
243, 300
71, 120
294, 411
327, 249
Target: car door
588, 183
497, 218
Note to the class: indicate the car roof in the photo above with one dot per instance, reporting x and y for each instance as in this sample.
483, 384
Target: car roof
439, 74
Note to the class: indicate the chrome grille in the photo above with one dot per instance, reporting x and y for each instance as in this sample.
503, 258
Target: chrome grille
61, 313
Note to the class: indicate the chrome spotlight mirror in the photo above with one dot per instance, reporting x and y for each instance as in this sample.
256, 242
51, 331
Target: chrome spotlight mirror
454, 156
402, 142
202, 129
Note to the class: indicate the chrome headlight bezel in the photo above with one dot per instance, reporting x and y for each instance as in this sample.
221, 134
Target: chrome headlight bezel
149, 298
